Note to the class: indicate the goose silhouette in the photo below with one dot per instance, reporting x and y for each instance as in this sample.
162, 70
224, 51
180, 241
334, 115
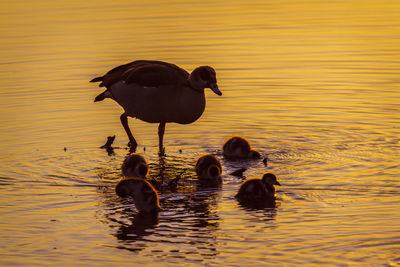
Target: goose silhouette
157, 92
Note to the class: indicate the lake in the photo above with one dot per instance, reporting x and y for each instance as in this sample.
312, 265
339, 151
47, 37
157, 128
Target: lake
313, 85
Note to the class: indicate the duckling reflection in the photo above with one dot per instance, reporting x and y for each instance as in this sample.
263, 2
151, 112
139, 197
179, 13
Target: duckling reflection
144, 195
140, 226
237, 147
187, 210
209, 169
135, 165
258, 193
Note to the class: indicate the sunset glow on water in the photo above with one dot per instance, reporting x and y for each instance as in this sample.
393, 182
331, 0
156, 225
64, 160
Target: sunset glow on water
313, 86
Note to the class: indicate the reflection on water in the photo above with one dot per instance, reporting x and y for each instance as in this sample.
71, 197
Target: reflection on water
312, 85
187, 206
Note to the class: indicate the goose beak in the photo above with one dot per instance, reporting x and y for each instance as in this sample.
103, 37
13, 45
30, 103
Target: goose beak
277, 183
214, 87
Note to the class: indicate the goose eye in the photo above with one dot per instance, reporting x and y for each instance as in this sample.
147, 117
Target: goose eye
204, 75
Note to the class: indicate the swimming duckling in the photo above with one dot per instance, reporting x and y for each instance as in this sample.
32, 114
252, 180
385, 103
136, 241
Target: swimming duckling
157, 92
135, 166
208, 169
256, 191
143, 193
237, 147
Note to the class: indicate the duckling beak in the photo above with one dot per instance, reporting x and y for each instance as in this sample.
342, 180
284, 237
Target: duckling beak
214, 87
277, 183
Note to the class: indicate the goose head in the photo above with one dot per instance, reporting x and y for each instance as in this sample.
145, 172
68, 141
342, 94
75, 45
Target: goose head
204, 77
134, 166
144, 195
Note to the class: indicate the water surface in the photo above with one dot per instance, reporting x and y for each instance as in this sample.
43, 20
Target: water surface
313, 85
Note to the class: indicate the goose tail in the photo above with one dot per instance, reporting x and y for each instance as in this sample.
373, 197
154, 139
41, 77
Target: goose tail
97, 79
102, 96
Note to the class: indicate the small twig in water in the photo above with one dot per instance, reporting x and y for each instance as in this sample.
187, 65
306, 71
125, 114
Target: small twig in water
239, 172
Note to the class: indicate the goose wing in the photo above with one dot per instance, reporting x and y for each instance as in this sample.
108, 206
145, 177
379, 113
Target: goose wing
150, 73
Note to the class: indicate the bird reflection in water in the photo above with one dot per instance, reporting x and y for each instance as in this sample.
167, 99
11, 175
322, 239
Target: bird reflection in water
141, 224
187, 205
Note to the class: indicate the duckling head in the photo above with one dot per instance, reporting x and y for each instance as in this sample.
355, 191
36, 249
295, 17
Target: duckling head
135, 166
213, 171
204, 77
208, 167
144, 195
270, 179
253, 154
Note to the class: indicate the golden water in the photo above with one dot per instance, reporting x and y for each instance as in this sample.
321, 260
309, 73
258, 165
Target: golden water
313, 85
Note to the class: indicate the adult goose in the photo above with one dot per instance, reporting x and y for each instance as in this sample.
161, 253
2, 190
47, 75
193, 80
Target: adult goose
157, 92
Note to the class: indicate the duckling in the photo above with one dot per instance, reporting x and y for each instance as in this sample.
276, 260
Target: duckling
208, 169
157, 92
135, 166
144, 195
237, 147
256, 191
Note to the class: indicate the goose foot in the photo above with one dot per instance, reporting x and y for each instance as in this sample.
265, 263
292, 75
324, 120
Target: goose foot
132, 146
161, 153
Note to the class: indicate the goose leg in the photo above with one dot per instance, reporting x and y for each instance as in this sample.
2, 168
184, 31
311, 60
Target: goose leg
161, 129
132, 142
